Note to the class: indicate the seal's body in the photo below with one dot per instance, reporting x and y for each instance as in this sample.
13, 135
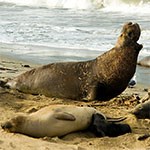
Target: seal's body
57, 120
102, 78
145, 62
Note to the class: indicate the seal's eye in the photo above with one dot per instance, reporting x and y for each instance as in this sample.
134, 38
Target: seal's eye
140, 108
130, 34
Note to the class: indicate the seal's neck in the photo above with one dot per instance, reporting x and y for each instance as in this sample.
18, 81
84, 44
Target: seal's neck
121, 59
122, 43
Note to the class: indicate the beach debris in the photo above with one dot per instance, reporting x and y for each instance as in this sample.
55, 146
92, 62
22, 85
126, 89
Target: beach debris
132, 82
3, 82
143, 137
8, 70
26, 66
145, 97
127, 100
145, 89
134, 100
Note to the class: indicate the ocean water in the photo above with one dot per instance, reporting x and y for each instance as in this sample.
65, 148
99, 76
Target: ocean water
45, 31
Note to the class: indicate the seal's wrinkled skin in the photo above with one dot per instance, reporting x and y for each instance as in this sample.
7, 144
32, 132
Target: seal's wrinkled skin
102, 78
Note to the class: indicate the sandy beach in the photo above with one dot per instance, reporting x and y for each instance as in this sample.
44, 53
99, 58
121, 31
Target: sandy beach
13, 102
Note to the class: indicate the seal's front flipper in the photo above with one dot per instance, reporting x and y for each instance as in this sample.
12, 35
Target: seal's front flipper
97, 90
64, 116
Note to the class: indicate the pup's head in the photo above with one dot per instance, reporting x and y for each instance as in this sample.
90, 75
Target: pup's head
14, 124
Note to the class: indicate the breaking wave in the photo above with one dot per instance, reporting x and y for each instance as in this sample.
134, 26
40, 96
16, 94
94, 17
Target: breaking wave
111, 5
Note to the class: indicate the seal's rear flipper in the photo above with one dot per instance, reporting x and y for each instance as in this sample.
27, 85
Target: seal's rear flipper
114, 130
64, 116
109, 119
101, 127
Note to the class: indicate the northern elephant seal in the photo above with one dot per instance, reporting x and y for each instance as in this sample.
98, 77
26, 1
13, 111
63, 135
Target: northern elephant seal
55, 120
102, 78
102, 127
145, 62
142, 111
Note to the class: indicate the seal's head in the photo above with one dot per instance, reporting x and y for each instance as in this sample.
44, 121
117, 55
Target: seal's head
132, 31
142, 111
130, 35
14, 124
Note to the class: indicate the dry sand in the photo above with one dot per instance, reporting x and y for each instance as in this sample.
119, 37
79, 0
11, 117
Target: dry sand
13, 102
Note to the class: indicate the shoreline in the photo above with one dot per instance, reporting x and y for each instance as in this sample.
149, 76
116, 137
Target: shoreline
11, 67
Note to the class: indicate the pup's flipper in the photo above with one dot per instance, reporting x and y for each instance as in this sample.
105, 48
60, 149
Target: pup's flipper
64, 116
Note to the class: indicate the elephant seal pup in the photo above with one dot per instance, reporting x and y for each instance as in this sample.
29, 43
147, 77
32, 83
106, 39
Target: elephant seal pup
55, 120
102, 78
145, 62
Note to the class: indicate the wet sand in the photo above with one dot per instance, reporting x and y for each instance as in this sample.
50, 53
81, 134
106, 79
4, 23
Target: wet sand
13, 102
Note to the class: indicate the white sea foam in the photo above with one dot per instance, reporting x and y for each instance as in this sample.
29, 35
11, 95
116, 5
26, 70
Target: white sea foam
135, 6
74, 29
76, 4
109, 5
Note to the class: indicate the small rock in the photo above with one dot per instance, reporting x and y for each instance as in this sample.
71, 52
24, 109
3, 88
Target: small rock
26, 66
143, 137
